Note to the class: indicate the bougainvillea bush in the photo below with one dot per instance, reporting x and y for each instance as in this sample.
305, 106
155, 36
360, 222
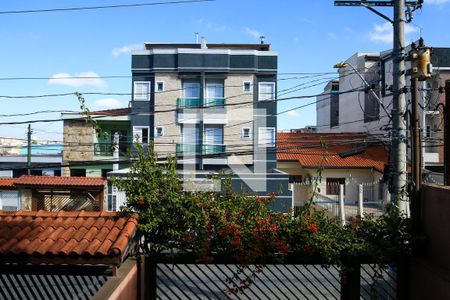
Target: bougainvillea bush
243, 226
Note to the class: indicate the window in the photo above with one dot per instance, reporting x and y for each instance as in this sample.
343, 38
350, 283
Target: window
191, 90
333, 185
295, 178
428, 131
213, 135
10, 200
214, 89
266, 136
247, 86
245, 134
78, 172
159, 131
266, 91
141, 90
334, 110
141, 134
160, 86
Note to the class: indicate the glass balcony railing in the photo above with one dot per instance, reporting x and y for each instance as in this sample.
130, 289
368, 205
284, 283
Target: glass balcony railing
188, 148
200, 149
188, 102
197, 103
214, 102
213, 149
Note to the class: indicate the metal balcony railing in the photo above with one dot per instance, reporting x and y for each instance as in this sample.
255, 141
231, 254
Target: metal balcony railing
106, 149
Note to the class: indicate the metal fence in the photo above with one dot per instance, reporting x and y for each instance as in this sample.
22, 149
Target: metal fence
273, 281
27, 286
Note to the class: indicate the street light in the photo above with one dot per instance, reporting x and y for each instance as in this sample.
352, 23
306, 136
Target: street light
344, 64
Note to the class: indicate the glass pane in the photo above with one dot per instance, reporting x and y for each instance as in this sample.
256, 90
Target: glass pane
213, 136
191, 90
190, 135
214, 90
266, 91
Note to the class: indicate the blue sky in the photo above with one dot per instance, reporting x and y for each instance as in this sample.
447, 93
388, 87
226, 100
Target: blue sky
310, 36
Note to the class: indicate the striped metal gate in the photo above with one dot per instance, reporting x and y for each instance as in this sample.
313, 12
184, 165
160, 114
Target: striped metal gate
68, 287
275, 281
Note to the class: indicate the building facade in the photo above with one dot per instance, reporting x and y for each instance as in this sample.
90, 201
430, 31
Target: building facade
213, 106
350, 105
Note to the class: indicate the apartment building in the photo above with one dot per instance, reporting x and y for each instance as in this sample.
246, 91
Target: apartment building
361, 99
213, 106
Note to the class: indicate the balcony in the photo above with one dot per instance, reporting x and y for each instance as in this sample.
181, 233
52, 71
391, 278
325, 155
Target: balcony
214, 102
188, 102
200, 149
197, 103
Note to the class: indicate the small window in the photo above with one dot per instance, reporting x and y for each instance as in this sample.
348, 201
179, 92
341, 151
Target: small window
245, 133
266, 136
428, 131
333, 185
247, 86
141, 135
78, 172
160, 86
159, 131
295, 178
266, 91
141, 90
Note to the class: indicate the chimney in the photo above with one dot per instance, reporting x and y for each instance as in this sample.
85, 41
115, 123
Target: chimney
203, 46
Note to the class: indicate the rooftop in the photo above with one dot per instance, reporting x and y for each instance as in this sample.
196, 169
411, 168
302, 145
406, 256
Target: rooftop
60, 181
65, 237
363, 151
259, 47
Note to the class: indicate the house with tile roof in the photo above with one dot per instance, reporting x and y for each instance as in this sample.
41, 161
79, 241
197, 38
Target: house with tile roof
349, 159
67, 255
52, 193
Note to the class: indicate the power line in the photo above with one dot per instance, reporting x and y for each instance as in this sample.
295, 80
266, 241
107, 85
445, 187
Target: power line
32, 11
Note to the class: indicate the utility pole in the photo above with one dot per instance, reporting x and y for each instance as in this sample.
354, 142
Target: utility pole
398, 136
29, 149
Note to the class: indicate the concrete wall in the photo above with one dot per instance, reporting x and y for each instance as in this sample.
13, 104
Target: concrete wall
124, 286
165, 113
303, 191
430, 271
78, 140
239, 116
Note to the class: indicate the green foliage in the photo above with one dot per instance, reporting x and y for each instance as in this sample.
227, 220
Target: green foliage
244, 227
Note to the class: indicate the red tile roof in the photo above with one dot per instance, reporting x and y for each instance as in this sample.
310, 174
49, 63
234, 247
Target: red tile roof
112, 112
7, 182
65, 181
306, 149
72, 237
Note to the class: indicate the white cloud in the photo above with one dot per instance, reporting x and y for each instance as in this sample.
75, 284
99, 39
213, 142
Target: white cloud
293, 113
211, 25
108, 103
125, 49
384, 33
253, 32
332, 35
77, 80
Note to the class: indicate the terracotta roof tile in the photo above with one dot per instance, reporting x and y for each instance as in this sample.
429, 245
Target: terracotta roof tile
65, 181
7, 182
305, 148
112, 112
88, 235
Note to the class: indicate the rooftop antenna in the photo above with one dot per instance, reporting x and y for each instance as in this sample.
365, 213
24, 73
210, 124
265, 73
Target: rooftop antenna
196, 37
262, 39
